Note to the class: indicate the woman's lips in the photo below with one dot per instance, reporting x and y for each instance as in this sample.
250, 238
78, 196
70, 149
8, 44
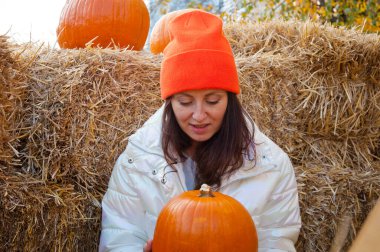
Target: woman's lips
199, 129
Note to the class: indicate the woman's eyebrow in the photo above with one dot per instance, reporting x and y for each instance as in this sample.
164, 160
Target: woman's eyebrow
183, 94
214, 93
206, 95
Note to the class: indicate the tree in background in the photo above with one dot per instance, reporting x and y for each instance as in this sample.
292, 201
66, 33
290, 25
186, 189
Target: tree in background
365, 14
362, 13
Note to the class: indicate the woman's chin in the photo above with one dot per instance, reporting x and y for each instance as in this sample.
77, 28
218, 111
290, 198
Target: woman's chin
200, 138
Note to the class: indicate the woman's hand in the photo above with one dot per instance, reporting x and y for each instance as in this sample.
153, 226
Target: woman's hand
148, 246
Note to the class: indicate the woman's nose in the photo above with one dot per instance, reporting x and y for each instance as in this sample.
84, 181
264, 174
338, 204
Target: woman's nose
199, 113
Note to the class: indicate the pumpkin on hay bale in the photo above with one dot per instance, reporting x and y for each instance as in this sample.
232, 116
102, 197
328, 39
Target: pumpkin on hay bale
80, 106
159, 37
111, 23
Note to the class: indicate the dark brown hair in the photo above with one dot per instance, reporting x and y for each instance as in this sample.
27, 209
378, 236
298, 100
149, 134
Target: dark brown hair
221, 155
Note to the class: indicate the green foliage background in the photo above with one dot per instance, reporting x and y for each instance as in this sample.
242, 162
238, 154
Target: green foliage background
359, 13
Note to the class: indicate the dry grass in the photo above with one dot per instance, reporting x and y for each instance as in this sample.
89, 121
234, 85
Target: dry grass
12, 95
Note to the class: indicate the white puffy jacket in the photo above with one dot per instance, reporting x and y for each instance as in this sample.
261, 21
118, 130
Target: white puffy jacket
141, 183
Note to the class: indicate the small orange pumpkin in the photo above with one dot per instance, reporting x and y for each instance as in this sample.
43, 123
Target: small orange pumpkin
203, 221
159, 36
124, 23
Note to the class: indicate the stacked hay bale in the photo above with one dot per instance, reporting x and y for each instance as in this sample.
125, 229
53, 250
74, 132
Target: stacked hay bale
313, 89
327, 79
81, 107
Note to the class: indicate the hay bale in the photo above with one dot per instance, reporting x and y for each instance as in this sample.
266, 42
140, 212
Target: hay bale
4, 69
40, 216
330, 193
81, 105
12, 93
323, 47
311, 113
328, 78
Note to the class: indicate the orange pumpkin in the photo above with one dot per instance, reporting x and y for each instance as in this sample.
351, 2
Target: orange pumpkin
124, 23
203, 221
159, 36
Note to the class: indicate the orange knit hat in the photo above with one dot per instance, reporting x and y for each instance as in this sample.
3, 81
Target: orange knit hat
198, 56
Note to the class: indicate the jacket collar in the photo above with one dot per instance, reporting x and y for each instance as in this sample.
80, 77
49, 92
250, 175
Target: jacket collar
148, 139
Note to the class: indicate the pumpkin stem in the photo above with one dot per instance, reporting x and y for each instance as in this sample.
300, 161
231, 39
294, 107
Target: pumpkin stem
206, 191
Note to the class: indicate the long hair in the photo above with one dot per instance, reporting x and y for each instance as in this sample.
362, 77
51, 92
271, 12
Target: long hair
221, 155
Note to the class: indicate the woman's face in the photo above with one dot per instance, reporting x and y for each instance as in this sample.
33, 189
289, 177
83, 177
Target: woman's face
200, 113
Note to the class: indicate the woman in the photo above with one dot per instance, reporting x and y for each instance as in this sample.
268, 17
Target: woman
200, 135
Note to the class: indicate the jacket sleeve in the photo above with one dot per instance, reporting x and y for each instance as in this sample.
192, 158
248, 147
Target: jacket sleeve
122, 212
280, 221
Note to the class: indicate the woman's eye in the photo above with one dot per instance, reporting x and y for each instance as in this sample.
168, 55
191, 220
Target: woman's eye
185, 103
212, 102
